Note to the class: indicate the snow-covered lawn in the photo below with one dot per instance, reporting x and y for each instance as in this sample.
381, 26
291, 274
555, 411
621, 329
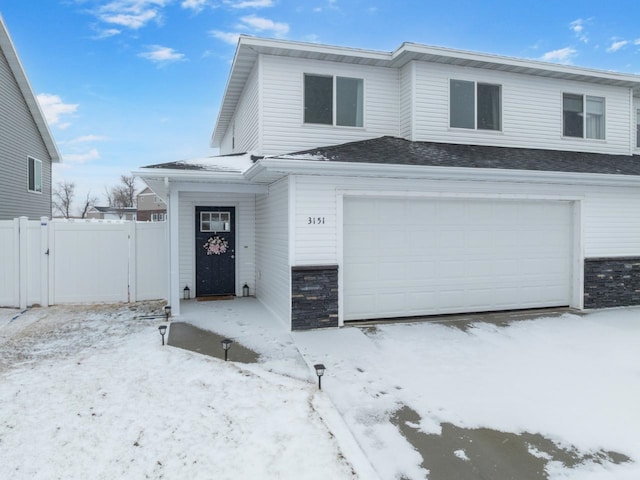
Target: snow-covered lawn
89, 392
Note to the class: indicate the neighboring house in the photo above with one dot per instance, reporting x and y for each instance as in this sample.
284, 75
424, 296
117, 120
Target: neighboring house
151, 208
426, 181
112, 213
27, 148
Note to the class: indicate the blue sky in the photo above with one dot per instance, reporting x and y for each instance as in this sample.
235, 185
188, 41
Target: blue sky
127, 83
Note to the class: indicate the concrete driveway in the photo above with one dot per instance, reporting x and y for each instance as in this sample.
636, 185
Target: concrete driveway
363, 383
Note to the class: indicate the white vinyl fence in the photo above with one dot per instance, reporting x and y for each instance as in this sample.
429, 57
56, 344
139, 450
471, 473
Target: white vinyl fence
51, 262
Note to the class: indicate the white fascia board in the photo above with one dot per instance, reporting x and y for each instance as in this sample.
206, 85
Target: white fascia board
525, 65
186, 175
158, 179
312, 167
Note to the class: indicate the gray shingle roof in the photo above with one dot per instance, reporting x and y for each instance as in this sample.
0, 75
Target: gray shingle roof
392, 150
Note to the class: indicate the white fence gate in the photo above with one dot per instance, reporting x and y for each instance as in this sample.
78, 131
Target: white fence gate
50, 262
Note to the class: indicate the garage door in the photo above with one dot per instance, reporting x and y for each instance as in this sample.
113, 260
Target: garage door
436, 256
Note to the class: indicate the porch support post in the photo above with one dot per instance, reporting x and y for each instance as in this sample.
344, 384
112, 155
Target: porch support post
174, 251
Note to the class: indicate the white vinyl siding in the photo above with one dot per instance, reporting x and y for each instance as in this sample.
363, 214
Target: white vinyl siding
245, 235
531, 111
407, 74
273, 272
610, 224
20, 139
284, 130
243, 134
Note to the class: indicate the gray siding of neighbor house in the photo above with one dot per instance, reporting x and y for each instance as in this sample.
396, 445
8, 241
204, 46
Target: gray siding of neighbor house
20, 139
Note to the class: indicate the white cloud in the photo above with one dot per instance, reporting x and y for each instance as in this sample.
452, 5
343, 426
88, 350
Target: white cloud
578, 27
562, 55
85, 139
162, 55
106, 33
195, 5
227, 37
85, 157
615, 46
54, 109
261, 24
249, 3
132, 14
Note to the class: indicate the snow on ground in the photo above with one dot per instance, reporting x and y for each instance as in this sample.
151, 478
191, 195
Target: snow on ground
573, 379
89, 392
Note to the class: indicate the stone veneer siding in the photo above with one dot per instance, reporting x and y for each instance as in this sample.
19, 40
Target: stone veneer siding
611, 282
314, 297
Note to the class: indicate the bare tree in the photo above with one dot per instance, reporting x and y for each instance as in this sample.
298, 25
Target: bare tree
89, 202
124, 194
62, 199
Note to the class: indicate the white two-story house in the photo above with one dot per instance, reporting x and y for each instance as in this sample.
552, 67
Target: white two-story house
357, 184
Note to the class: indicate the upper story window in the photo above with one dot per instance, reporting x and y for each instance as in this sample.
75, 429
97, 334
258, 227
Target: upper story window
343, 108
638, 128
475, 105
34, 183
583, 116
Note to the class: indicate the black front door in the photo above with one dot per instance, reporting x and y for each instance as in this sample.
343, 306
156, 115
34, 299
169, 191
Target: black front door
215, 251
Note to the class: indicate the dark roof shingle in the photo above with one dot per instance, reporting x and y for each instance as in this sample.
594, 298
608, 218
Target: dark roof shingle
393, 150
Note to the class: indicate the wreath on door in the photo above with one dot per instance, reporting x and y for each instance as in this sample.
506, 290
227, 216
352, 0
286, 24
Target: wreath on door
216, 246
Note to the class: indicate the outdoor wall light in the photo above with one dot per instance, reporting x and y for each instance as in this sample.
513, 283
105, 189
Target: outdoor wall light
245, 290
226, 345
167, 312
186, 293
319, 371
162, 329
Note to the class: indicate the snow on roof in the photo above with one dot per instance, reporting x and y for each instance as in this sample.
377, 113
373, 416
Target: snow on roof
235, 163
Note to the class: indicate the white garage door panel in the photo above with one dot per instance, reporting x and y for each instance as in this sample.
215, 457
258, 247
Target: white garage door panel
435, 256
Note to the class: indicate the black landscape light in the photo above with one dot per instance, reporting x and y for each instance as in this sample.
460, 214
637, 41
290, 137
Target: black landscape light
162, 329
167, 312
245, 290
186, 293
226, 345
319, 371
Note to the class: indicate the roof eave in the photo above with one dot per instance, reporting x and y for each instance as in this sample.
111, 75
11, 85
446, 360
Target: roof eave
314, 167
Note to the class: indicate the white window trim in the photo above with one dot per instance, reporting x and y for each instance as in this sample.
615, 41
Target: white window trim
584, 137
475, 107
334, 100
35, 162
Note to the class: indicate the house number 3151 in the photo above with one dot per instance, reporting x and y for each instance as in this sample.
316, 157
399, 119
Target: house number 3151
315, 221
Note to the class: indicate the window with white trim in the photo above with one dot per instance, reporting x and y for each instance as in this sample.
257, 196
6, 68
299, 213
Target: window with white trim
158, 217
34, 181
475, 105
583, 116
330, 100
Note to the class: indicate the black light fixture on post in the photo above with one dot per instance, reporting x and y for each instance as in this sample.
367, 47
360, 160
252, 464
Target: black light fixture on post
226, 345
167, 312
245, 290
162, 329
319, 372
186, 293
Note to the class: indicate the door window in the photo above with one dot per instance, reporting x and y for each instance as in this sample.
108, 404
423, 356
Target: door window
215, 222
